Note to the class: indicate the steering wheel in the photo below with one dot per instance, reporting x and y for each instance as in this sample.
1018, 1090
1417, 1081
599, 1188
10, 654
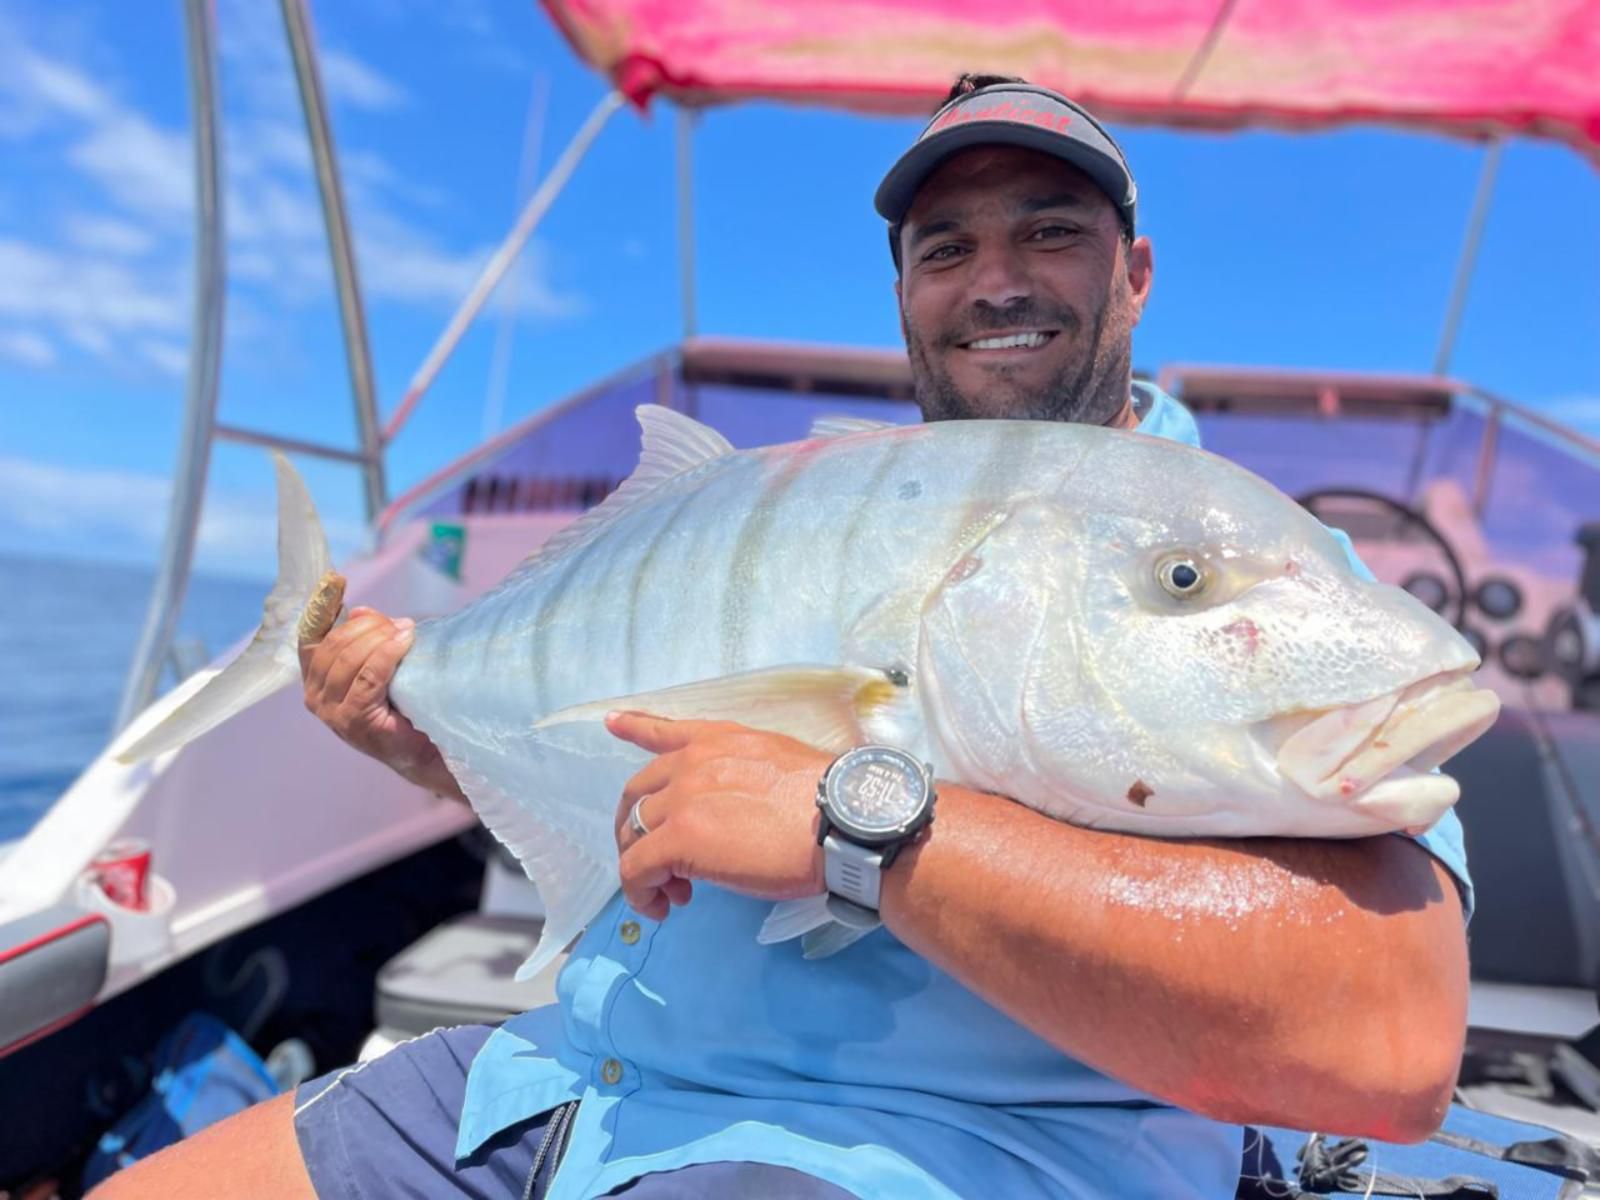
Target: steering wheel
1455, 598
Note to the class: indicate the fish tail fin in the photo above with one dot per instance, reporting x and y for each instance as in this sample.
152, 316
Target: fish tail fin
302, 606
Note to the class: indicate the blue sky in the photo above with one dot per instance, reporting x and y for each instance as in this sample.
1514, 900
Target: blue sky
1331, 250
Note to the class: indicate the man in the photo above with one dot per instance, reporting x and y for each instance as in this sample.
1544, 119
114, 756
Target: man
1050, 1011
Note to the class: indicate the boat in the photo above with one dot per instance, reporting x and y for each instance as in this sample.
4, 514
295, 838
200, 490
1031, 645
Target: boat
327, 909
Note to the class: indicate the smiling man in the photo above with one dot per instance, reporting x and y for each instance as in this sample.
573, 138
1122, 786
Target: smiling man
1019, 283
1050, 1010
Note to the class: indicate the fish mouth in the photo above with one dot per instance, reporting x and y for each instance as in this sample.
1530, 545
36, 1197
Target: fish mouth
1377, 755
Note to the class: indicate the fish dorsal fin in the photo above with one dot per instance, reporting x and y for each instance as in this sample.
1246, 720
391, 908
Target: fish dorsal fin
673, 444
840, 426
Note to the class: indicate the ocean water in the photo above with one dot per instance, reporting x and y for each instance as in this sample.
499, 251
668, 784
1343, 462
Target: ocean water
67, 635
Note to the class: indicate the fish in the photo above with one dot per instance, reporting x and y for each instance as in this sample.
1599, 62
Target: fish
1115, 630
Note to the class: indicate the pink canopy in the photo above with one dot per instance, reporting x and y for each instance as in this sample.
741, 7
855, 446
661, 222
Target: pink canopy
1465, 67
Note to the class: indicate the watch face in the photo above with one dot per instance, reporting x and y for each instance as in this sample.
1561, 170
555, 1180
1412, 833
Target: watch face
876, 791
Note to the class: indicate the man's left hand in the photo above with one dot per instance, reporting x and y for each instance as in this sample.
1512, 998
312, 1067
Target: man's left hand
722, 802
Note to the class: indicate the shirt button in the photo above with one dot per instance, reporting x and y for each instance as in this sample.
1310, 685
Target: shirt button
630, 932
611, 1070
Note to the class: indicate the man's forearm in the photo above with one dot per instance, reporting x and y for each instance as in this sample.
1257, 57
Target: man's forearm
1320, 984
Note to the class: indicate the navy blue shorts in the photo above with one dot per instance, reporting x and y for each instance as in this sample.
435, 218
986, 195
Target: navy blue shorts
388, 1128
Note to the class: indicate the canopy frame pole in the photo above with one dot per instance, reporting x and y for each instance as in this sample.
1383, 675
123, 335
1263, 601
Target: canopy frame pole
1488, 452
494, 392
341, 249
204, 374
1202, 55
502, 259
687, 118
1468, 261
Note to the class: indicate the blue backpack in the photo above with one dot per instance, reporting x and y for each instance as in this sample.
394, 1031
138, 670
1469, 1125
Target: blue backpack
203, 1072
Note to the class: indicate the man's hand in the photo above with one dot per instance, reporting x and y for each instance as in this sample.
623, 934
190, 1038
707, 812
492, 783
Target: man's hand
730, 805
347, 678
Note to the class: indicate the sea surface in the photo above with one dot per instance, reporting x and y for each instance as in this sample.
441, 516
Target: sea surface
67, 635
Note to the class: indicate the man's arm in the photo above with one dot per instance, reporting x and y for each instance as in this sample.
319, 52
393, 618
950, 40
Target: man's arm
1317, 984
1313, 983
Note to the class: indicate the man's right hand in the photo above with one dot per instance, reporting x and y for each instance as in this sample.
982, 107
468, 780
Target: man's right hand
347, 677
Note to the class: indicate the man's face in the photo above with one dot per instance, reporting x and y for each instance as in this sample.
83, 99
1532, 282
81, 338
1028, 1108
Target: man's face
1018, 293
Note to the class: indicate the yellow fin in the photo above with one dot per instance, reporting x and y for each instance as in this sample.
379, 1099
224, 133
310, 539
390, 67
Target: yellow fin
825, 707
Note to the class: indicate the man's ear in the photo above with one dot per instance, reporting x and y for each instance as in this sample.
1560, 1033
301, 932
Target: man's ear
1141, 273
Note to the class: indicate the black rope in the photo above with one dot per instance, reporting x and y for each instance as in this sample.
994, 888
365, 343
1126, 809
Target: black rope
1325, 1168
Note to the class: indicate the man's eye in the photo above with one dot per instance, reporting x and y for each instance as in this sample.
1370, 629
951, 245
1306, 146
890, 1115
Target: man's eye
942, 253
1052, 231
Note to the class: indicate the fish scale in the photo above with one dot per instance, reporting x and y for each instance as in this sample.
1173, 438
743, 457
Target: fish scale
682, 562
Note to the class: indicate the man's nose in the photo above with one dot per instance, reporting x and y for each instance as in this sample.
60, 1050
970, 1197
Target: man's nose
999, 278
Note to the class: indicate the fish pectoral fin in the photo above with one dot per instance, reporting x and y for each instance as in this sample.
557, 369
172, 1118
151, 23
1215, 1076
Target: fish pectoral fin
826, 707
809, 920
793, 918
831, 938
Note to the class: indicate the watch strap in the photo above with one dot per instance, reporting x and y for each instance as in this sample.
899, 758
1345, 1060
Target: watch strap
852, 873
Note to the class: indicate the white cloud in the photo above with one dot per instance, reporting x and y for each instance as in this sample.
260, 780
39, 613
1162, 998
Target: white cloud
37, 91
165, 357
127, 511
369, 175
348, 79
146, 169
91, 298
26, 349
87, 336
114, 281
410, 269
108, 235
143, 167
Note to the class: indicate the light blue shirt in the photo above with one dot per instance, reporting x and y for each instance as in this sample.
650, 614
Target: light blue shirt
687, 1042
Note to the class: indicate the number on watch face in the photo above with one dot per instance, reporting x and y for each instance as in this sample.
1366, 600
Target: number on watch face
877, 793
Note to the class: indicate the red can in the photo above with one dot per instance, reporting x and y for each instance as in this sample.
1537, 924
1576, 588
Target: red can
123, 871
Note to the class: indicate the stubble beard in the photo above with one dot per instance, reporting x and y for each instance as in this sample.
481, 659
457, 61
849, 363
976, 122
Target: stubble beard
1090, 391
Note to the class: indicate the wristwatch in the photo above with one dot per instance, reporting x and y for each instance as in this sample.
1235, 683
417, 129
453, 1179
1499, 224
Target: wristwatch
875, 800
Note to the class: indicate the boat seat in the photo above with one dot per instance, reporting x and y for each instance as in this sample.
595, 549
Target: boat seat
461, 973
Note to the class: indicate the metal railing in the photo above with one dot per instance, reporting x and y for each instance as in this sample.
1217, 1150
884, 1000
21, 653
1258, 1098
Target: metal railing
205, 366
500, 262
352, 318
200, 427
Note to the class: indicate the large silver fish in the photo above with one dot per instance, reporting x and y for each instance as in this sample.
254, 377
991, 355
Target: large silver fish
1115, 630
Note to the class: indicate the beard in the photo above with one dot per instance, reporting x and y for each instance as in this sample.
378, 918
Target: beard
1091, 387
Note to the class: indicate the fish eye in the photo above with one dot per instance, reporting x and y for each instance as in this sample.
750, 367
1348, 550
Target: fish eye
1181, 576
